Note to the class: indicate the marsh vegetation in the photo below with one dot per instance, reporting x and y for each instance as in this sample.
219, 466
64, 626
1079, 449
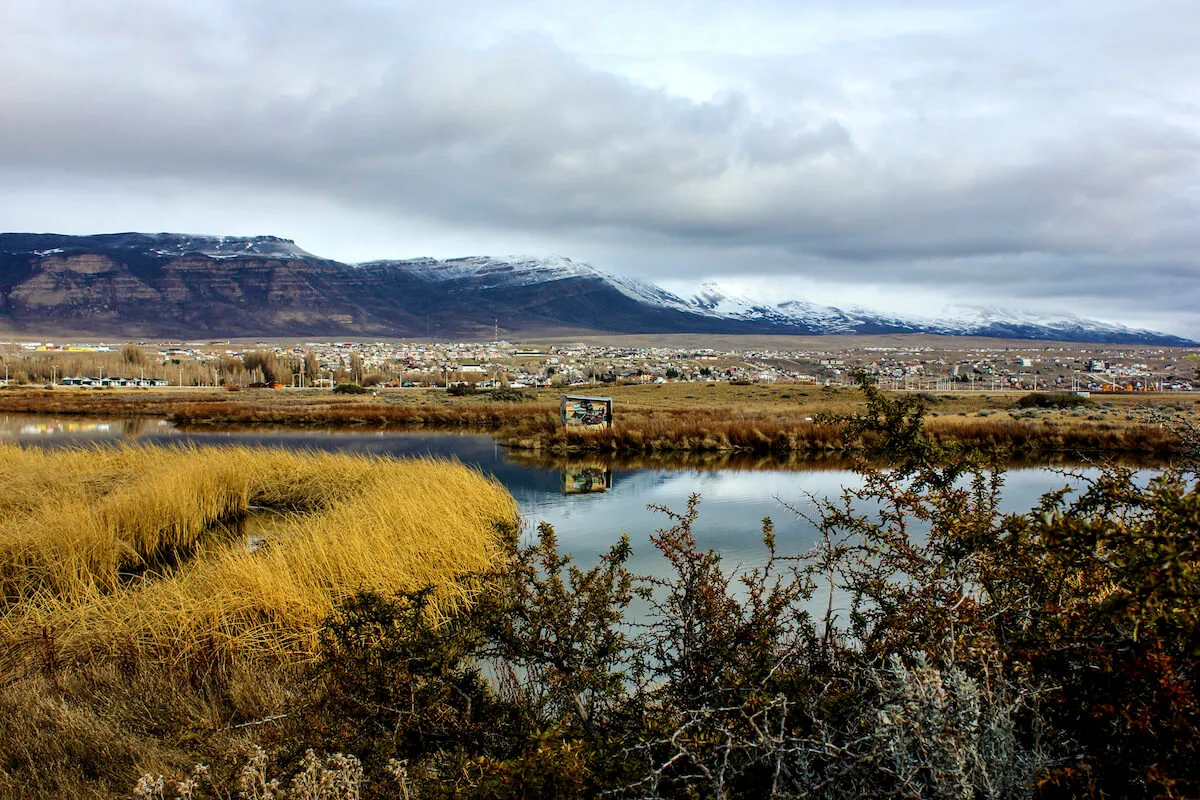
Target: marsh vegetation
133, 611
712, 417
928, 645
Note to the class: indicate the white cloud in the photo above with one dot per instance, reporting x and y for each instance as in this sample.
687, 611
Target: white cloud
1034, 153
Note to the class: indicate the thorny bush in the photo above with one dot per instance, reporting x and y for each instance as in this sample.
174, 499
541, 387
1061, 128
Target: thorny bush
929, 645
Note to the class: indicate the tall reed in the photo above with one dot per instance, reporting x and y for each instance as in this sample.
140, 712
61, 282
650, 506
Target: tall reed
78, 555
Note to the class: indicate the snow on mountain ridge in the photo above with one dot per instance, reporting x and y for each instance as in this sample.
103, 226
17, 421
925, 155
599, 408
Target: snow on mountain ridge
975, 315
493, 271
709, 299
500, 272
175, 244
963, 319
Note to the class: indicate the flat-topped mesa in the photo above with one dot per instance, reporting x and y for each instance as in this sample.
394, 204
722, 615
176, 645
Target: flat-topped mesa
222, 247
166, 245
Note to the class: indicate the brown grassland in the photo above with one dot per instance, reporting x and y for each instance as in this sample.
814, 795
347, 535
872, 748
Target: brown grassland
681, 417
132, 547
138, 629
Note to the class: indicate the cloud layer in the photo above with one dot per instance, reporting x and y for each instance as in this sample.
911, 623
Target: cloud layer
1002, 152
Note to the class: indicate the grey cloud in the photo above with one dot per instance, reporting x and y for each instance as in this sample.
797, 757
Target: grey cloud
970, 158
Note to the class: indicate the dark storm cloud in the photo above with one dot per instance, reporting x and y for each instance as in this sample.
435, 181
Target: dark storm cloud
1012, 148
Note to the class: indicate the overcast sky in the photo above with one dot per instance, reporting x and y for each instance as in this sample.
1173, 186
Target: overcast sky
1032, 154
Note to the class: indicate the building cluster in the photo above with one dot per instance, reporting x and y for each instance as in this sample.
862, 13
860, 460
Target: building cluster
413, 364
111, 383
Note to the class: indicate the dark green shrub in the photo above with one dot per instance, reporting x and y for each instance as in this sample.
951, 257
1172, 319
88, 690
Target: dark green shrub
507, 394
349, 388
975, 653
402, 679
1052, 400
1097, 595
462, 389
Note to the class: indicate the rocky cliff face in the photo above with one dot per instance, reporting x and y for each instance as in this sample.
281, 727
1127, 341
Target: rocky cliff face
185, 286
159, 286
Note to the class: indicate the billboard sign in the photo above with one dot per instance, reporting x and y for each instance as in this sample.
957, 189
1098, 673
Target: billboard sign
586, 412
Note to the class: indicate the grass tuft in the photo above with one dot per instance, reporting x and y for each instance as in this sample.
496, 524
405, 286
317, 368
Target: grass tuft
140, 550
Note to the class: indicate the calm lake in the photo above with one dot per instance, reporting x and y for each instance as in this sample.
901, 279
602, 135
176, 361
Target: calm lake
590, 503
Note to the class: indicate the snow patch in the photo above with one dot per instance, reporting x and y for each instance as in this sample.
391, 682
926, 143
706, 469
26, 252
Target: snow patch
709, 299
223, 247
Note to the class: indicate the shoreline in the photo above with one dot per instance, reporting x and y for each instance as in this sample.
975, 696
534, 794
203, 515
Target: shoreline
745, 426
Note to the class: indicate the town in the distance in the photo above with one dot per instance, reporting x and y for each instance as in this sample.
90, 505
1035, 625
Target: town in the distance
914, 363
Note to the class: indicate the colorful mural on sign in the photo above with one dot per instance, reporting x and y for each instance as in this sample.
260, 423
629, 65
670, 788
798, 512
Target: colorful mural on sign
586, 411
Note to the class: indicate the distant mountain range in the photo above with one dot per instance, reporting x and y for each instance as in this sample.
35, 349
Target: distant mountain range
174, 285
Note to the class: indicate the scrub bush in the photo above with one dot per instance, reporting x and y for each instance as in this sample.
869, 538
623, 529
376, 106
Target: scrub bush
930, 645
1052, 400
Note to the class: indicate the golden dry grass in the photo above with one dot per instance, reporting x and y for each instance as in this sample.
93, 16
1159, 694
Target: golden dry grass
90, 541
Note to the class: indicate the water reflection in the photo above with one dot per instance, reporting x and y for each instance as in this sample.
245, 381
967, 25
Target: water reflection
591, 500
585, 479
820, 461
20, 428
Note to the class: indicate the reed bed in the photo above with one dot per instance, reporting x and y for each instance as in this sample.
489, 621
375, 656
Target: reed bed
76, 519
661, 418
786, 434
96, 402
690, 430
1025, 436
466, 414
81, 523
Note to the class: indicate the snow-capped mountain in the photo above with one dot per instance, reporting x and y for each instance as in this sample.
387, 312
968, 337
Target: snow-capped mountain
712, 299
166, 245
993, 321
170, 244
491, 273
507, 272
138, 284
709, 303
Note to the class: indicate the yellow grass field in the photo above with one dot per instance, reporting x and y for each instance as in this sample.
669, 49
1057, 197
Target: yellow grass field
139, 549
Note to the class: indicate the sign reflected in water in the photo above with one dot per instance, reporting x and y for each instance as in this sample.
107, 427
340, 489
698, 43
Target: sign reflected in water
585, 480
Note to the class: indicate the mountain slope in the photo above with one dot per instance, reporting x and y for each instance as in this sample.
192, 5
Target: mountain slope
168, 285
177, 285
